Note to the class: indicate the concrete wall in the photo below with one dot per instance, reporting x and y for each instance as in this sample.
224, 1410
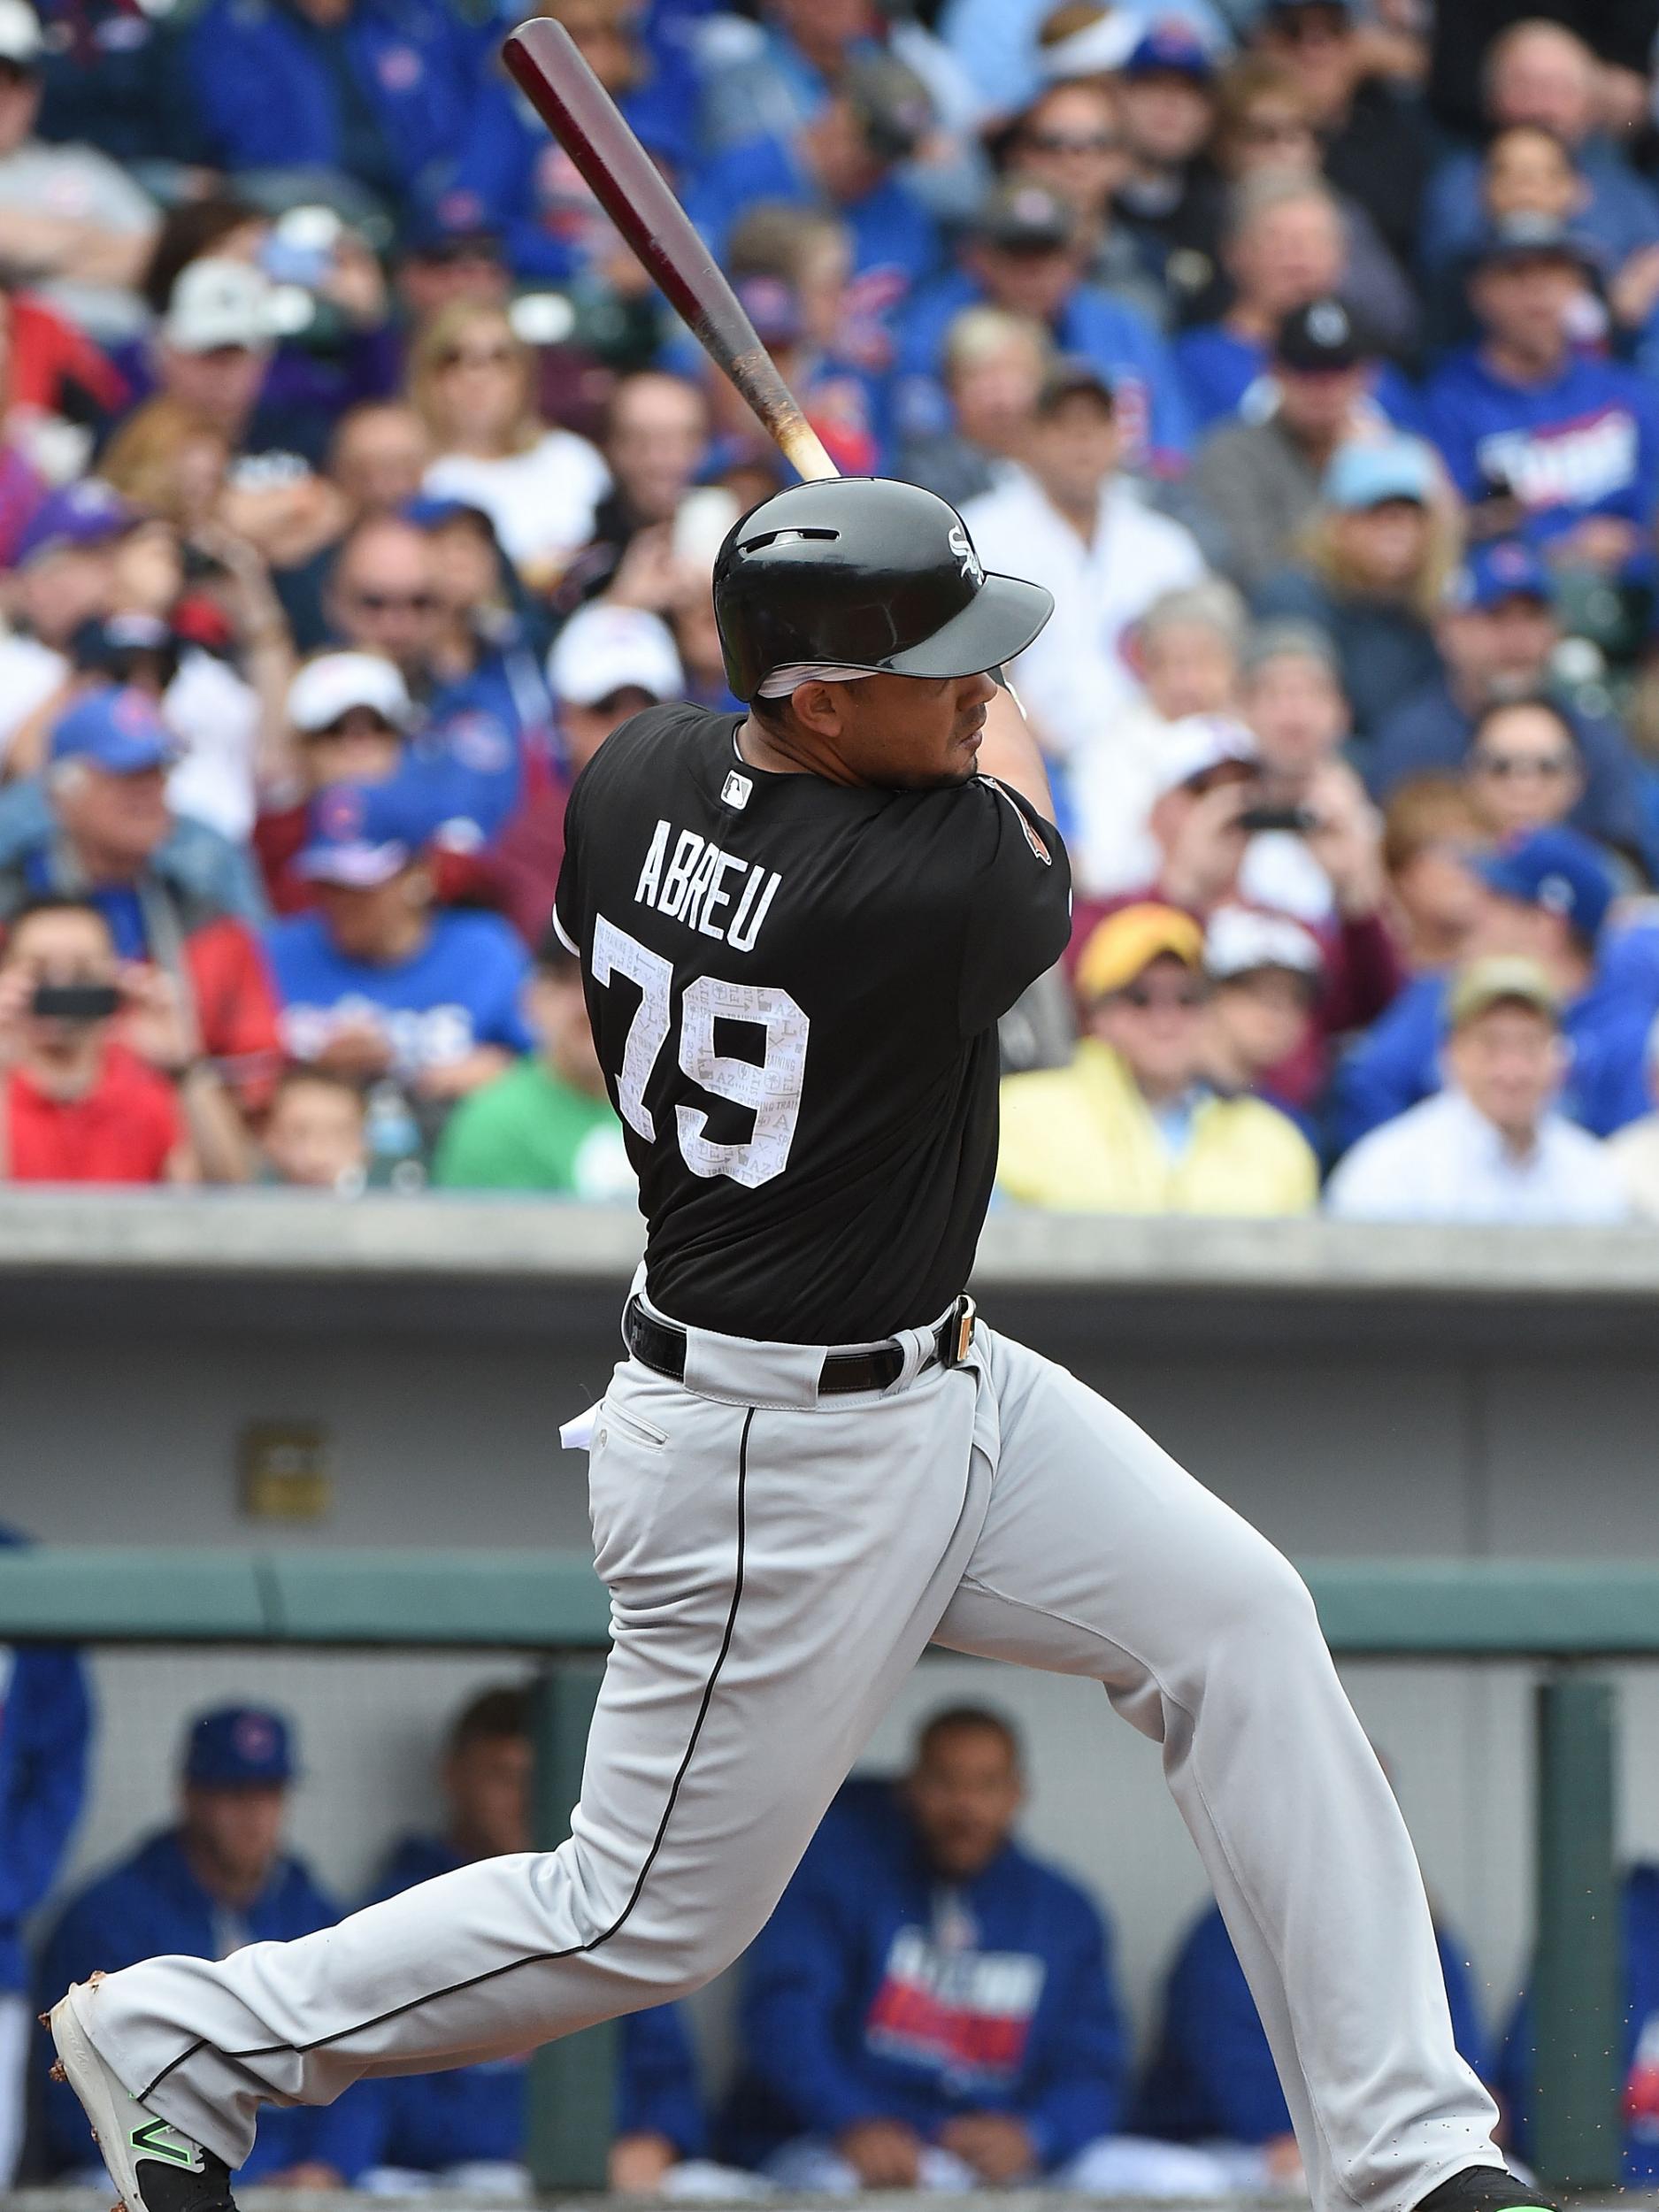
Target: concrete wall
1355, 1393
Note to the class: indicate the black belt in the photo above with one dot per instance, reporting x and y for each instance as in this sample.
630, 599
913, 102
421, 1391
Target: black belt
661, 1346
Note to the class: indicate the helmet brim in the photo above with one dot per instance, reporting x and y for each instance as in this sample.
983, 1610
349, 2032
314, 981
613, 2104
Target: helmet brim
1000, 621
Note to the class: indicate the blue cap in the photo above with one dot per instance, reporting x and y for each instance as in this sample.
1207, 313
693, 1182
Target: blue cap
120, 731
1170, 50
239, 1747
1364, 474
1556, 870
1508, 568
360, 834
449, 218
87, 512
1529, 237
431, 510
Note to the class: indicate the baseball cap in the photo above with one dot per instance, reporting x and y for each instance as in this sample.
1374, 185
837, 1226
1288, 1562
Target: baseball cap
1507, 568
1170, 50
447, 221
218, 301
360, 834
1321, 334
893, 107
117, 729
1364, 473
1196, 746
1485, 984
1126, 943
1072, 377
605, 649
1098, 47
1556, 870
333, 683
85, 513
238, 1745
1525, 237
773, 306
1021, 216
1240, 940
20, 34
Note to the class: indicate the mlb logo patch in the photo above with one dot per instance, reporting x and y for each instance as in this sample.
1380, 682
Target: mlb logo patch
735, 791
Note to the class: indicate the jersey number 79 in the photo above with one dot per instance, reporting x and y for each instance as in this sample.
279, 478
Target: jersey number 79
769, 1087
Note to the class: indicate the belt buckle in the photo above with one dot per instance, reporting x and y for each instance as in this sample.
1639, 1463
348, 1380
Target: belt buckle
962, 1329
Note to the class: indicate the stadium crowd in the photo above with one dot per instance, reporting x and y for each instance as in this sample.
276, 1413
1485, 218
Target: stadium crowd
931, 2006
356, 484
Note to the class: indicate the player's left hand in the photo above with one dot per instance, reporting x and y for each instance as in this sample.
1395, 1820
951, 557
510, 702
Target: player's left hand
994, 2144
637, 2165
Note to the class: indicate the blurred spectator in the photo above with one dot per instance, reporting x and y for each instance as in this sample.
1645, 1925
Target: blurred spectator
1283, 248
419, 1004
174, 894
1376, 145
216, 1879
1070, 139
656, 433
103, 1081
1266, 973
1490, 1148
348, 719
1498, 636
1619, 35
64, 577
993, 369
1258, 482
1023, 255
845, 162
1524, 769
45, 1728
1377, 554
73, 223
1322, 844
1185, 649
929, 2005
1546, 900
1069, 519
1432, 831
1211, 2078
1568, 440
1132, 1127
1170, 202
378, 453
1265, 126
369, 92
473, 382
449, 251
315, 1137
1639, 2006
547, 1124
1009, 45
1541, 73
106, 81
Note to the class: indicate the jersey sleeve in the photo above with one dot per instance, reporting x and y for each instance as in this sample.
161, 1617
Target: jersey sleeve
1019, 907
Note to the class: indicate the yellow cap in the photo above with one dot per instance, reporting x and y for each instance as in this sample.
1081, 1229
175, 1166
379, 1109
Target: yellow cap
1126, 943
1485, 984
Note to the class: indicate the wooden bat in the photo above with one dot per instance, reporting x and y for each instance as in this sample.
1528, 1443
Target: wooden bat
548, 66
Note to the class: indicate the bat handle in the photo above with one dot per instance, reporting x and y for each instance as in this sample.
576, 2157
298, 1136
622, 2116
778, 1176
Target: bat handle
756, 375
803, 450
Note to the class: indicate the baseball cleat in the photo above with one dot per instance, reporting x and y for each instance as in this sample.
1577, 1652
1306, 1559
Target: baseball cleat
1485, 2189
152, 2164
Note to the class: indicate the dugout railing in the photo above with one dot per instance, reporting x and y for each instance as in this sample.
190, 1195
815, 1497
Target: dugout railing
550, 1605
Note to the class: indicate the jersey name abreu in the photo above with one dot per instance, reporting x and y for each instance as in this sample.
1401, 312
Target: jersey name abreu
794, 988
690, 879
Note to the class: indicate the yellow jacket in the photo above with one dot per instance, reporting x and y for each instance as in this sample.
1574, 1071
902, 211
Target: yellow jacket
1082, 1140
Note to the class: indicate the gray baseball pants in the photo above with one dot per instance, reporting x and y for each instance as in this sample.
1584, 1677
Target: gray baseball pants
778, 1561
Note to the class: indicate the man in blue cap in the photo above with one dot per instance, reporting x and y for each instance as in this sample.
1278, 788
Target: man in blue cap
62, 576
1547, 900
215, 1880
175, 894
1497, 633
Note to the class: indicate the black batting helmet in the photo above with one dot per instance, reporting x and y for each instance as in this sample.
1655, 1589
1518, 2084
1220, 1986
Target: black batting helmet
862, 572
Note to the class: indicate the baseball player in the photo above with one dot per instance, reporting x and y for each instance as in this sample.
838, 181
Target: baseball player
797, 933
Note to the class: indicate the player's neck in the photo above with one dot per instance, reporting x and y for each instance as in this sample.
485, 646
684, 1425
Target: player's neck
790, 752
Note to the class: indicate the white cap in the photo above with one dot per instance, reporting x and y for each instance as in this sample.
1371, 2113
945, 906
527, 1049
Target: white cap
20, 34
1241, 939
218, 301
1194, 745
1099, 50
334, 683
602, 650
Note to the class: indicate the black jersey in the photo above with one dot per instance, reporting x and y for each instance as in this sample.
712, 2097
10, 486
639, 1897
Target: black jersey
794, 988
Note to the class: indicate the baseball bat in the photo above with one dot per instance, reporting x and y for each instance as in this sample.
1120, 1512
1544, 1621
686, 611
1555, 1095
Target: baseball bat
548, 66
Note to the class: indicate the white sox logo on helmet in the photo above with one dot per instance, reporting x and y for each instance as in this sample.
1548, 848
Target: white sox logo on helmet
961, 546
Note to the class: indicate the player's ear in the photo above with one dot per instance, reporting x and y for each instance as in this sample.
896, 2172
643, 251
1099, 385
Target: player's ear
817, 707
